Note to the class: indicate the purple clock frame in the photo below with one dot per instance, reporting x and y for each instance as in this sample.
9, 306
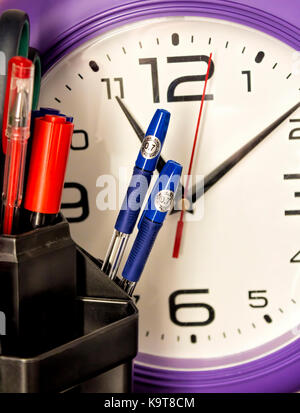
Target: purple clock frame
58, 27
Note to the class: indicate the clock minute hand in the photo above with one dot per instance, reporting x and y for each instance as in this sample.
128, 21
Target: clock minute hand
140, 134
214, 176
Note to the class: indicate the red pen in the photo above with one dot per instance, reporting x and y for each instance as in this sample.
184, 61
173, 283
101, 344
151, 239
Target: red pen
16, 123
50, 150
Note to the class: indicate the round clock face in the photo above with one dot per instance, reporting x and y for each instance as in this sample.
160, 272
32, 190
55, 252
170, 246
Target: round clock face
233, 294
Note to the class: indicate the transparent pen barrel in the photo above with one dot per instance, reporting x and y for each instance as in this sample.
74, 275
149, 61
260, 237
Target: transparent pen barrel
115, 254
13, 181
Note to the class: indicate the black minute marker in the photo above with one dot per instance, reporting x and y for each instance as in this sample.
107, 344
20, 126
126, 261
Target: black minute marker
175, 39
259, 57
268, 318
93, 65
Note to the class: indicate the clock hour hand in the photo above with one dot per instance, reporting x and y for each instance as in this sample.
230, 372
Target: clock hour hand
136, 127
213, 177
140, 134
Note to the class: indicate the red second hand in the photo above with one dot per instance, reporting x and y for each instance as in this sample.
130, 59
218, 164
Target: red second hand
180, 222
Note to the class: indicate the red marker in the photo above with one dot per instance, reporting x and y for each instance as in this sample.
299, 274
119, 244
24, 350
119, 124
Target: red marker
50, 150
180, 223
16, 127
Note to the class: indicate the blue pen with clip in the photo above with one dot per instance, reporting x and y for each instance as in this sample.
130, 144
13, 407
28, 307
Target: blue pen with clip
142, 173
159, 203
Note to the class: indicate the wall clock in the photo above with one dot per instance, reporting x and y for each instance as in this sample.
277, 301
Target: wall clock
225, 316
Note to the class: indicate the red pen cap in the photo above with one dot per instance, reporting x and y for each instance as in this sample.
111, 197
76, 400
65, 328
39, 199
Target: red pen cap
18, 68
50, 150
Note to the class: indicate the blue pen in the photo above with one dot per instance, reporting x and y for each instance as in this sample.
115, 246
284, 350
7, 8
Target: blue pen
139, 184
159, 203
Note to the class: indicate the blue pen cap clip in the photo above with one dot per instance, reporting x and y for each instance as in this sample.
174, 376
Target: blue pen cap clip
163, 193
49, 111
68, 118
153, 141
43, 111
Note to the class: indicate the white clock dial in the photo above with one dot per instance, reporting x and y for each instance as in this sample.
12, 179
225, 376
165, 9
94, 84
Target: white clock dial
236, 259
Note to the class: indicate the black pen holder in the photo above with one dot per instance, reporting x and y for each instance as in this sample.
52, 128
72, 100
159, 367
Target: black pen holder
37, 289
67, 326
